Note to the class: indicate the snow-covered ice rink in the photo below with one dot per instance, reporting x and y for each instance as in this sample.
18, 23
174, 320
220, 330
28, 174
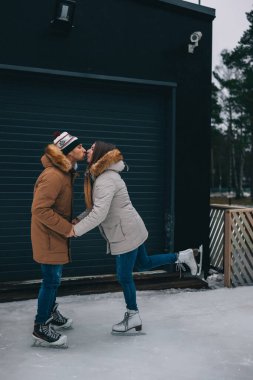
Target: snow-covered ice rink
193, 335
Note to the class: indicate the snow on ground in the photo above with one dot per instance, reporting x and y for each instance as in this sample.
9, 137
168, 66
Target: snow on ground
188, 335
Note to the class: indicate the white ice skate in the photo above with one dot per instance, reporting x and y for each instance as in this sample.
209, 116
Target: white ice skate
131, 321
188, 257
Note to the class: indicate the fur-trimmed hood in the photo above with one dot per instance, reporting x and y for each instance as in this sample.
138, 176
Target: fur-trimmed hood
54, 157
112, 160
107, 161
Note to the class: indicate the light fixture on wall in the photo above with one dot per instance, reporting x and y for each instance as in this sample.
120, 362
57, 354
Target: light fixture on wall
195, 37
64, 14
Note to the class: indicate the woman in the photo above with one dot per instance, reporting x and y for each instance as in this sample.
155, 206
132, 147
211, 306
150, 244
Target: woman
109, 207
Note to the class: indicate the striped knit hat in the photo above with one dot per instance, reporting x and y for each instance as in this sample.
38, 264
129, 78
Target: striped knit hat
65, 142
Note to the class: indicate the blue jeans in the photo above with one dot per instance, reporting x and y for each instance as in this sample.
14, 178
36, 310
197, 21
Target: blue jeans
51, 279
138, 257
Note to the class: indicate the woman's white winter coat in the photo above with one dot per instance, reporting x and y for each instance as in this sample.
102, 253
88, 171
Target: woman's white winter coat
118, 221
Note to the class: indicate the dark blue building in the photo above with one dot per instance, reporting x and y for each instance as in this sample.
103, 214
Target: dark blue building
114, 70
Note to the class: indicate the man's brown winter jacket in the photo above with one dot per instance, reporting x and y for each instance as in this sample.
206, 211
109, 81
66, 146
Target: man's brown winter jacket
51, 209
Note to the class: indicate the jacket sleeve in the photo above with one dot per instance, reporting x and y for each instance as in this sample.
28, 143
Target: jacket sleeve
45, 195
83, 214
103, 193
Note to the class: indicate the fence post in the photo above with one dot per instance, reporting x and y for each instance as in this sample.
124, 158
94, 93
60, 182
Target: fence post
227, 248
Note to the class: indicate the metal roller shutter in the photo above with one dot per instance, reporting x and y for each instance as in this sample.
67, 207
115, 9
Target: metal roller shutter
32, 108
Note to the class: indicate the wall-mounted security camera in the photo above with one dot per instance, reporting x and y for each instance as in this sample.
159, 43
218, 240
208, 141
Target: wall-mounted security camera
195, 37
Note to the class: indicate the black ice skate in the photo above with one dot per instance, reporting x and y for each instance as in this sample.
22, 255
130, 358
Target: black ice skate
44, 335
58, 320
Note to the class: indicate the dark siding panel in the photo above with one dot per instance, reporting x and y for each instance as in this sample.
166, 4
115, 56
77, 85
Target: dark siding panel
31, 110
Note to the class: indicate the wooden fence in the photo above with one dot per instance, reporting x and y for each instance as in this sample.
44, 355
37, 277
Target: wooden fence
231, 243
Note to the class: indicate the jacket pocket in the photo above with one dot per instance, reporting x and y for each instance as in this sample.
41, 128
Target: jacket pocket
57, 242
114, 234
133, 226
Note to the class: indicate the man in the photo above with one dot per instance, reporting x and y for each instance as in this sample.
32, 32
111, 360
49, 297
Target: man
51, 224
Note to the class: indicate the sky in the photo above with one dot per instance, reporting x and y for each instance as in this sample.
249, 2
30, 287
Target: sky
186, 335
229, 24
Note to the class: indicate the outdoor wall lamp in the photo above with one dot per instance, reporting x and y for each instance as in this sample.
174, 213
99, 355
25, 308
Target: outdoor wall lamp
195, 37
64, 14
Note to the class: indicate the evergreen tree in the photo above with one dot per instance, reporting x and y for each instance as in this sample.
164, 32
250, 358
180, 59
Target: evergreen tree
217, 138
241, 59
233, 126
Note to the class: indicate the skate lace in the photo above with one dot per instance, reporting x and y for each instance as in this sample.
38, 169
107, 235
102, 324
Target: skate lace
49, 331
180, 267
58, 317
124, 322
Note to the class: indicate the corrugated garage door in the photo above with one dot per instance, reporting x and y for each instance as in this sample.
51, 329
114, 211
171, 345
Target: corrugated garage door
32, 108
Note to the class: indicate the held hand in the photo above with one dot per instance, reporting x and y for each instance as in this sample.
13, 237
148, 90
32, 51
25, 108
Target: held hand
71, 233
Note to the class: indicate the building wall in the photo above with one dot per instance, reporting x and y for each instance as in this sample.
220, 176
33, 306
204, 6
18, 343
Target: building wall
135, 39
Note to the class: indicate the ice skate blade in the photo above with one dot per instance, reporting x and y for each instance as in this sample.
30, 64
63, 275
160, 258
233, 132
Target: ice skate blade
47, 345
199, 265
41, 343
128, 333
